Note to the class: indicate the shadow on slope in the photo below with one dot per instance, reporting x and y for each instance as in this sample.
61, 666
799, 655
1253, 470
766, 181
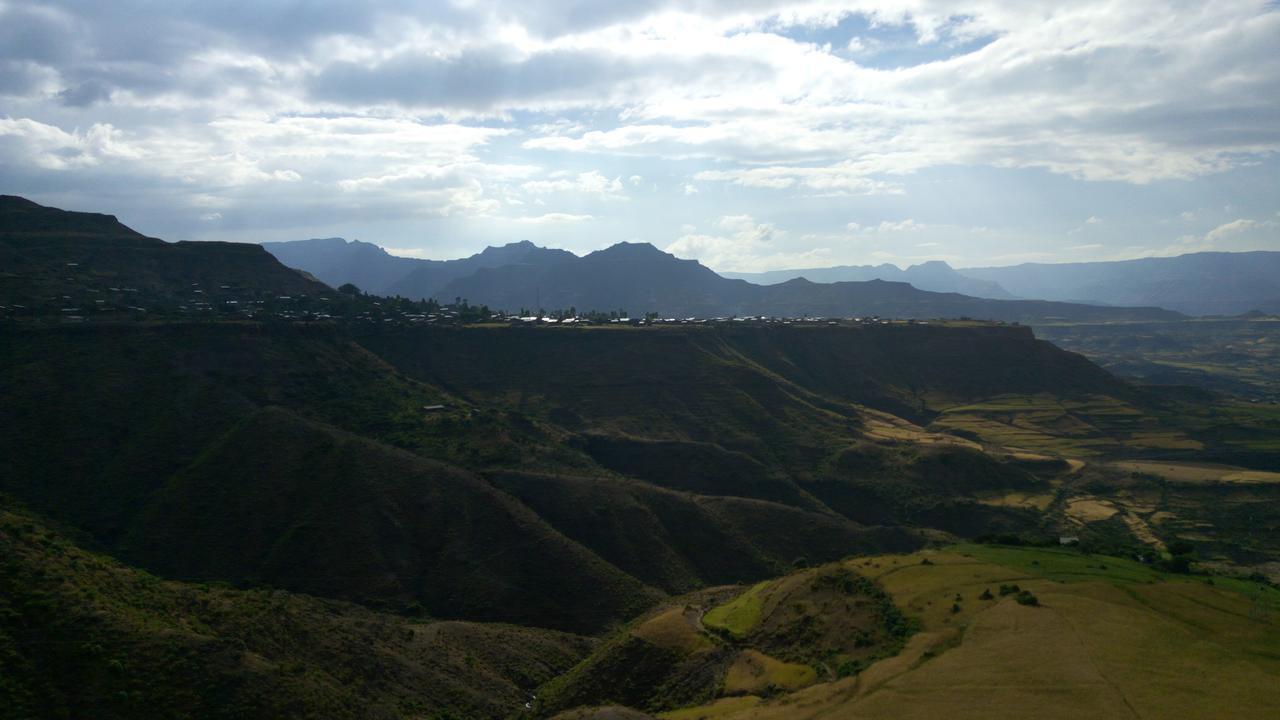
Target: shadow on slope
283, 502
678, 541
83, 636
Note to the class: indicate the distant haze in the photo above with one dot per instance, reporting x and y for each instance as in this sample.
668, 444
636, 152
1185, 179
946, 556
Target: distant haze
749, 135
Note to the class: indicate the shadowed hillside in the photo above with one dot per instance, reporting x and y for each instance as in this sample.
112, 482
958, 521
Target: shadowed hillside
83, 636
598, 375
286, 503
559, 476
46, 253
148, 467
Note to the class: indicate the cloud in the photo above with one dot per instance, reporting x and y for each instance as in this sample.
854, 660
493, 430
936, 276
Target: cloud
1236, 235
907, 225
1236, 227
51, 148
743, 244
554, 218
419, 253
86, 93
840, 179
279, 112
586, 183
487, 78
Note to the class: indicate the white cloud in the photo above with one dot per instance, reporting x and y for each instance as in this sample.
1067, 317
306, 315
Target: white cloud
587, 183
1239, 234
1235, 227
51, 148
840, 179
393, 110
743, 245
554, 218
907, 225
419, 253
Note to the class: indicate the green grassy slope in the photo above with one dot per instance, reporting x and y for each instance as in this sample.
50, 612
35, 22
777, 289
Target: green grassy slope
83, 636
1001, 632
773, 637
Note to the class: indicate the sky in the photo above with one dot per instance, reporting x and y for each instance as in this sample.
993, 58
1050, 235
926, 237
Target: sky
750, 135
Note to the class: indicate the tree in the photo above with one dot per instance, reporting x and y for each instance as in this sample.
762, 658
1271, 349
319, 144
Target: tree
348, 289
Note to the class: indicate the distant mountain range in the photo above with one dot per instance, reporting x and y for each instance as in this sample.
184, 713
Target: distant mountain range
639, 278
337, 261
1195, 284
935, 276
38, 245
1209, 283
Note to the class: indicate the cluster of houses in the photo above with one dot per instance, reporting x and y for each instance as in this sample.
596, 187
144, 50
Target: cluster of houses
653, 320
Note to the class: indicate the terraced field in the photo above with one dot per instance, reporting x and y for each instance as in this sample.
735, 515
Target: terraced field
1088, 427
1199, 473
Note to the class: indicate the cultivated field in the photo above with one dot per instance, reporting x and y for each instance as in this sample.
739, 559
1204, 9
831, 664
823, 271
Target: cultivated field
1196, 473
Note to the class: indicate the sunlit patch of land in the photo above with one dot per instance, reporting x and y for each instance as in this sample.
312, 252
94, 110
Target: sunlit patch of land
753, 672
1198, 473
1036, 501
885, 427
1106, 637
1089, 509
1077, 428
